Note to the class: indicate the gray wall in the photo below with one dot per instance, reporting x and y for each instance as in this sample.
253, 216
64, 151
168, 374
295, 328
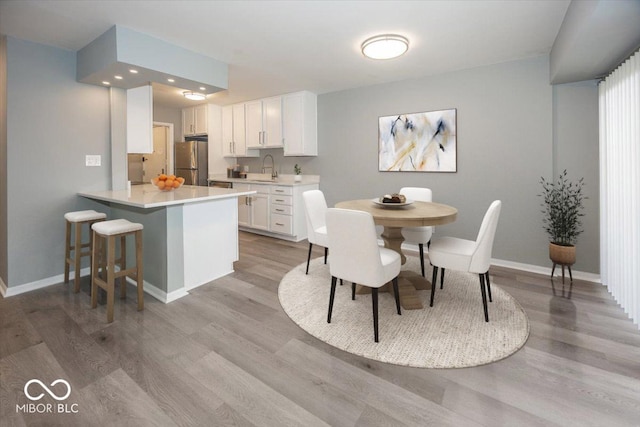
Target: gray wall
513, 128
575, 133
52, 123
3, 160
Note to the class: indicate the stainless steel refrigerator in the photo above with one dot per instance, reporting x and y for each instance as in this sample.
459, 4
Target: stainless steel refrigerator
191, 162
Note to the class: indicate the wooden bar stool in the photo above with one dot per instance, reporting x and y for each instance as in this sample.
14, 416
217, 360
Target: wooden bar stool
105, 233
78, 219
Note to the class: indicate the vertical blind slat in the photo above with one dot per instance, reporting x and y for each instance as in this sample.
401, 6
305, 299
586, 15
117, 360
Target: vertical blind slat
619, 111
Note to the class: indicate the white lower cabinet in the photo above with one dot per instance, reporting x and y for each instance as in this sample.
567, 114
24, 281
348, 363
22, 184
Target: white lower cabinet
253, 210
276, 210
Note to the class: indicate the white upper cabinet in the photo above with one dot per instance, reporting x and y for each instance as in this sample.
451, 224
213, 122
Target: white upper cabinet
194, 120
140, 120
264, 123
233, 132
300, 124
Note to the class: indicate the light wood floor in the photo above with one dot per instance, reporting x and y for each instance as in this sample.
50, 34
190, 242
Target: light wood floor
228, 355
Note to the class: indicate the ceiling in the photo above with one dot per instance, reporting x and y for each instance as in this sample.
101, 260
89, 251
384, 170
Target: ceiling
275, 47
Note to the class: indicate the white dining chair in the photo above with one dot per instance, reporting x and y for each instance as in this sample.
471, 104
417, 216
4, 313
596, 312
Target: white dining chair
467, 255
356, 257
418, 235
315, 207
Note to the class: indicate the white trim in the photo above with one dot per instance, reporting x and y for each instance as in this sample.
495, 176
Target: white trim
42, 283
166, 298
158, 293
580, 275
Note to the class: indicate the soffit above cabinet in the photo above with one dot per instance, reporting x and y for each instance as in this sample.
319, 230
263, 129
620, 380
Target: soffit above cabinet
120, 49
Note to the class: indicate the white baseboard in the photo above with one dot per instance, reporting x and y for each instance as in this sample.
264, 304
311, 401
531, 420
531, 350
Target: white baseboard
57, 279
166, 298
39, 284
580, 275
158, 293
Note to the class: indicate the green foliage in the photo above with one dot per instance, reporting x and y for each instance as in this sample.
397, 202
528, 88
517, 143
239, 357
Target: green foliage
562, 209
297, 169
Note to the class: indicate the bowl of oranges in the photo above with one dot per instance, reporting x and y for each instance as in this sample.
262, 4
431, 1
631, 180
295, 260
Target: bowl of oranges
167, 182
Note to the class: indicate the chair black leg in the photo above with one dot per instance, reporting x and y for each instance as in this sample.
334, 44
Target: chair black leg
396, 293
309, 257
434, 279
484, 298
488, 286
421, 247
333, 294
326, 253
374, 300
353, 291
442, 279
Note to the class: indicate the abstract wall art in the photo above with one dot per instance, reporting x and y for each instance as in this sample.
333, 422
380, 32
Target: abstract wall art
418, 142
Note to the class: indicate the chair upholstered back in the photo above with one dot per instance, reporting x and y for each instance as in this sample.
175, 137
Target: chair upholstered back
481, 259
417, 235
417, 193
315, 207
353, 245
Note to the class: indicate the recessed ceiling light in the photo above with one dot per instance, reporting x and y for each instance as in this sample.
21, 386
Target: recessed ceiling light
386, 46
118, 77
170, 80
133, 71
106, 83
194, 96
203, 88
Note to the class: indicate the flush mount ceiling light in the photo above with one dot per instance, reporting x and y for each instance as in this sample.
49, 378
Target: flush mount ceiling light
386, 46
194, 96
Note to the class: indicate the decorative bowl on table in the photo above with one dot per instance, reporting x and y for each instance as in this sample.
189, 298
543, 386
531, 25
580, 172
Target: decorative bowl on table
167, 182
392, 201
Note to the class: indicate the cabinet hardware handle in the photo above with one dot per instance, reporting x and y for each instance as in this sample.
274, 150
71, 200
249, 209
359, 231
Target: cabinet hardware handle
281, 225
279, 200
279, 191
279, 210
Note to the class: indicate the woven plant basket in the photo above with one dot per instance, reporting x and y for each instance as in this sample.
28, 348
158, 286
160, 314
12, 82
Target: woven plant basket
565, 255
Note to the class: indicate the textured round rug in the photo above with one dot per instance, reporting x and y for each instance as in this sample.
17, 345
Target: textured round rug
451, 334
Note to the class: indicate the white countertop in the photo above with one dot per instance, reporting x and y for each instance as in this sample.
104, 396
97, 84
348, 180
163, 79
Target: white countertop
148, 196
280, 180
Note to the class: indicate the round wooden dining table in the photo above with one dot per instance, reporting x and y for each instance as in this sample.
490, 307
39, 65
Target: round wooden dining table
393, 219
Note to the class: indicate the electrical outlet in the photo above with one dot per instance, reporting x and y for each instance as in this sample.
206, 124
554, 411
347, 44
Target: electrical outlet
92, 160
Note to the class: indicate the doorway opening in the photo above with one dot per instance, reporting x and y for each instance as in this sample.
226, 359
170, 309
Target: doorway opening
143, 167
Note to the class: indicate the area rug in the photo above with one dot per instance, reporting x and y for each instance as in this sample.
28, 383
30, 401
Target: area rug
451, 334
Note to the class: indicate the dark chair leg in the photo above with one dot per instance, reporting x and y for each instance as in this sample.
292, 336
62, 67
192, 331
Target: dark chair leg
396, 293
353, 291
326, 253
333, 294
374, 300
488, 286
434, 280
309, 257
442, 279
421, 247
484, 298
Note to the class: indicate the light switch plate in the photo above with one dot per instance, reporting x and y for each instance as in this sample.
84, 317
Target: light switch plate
93, 160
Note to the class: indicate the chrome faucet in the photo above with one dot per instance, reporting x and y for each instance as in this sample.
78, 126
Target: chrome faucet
274, 174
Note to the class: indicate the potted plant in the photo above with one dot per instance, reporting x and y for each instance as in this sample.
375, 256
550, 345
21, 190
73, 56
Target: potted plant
298, 170
562, 210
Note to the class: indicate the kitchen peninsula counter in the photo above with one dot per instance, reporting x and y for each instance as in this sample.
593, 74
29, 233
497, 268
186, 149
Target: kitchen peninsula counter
190, 234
